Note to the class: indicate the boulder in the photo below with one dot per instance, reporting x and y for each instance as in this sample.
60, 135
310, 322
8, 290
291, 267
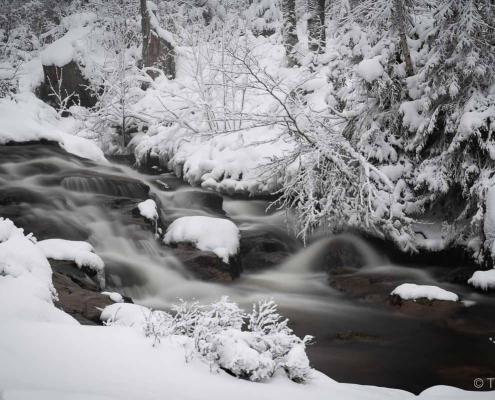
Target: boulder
206, 265
262, 249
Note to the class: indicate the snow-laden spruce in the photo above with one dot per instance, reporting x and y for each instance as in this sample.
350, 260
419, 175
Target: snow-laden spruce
411, 291
217, 235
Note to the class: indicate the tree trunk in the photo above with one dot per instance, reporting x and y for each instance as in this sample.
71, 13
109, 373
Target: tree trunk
400, 21
289, 32
316, 25
157, 52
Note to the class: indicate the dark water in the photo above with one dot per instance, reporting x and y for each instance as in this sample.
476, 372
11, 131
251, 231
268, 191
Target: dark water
360, 338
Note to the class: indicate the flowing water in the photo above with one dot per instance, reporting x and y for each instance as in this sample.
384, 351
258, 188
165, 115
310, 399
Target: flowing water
360, 338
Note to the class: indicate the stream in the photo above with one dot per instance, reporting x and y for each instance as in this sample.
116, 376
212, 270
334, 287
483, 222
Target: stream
335, 289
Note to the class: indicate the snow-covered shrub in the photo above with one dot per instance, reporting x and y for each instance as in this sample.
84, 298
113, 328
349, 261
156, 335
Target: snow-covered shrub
218, 334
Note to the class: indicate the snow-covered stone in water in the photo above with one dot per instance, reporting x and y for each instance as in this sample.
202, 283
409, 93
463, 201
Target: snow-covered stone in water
69, 250
148, 210
217, 235
483, 279
370, 70
114, 296
411, 291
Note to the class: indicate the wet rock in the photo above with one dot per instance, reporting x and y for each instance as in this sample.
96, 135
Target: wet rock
264, 249
345, 251
167, 182
106, 184
353, 336
206, 265
83, 304
85, 278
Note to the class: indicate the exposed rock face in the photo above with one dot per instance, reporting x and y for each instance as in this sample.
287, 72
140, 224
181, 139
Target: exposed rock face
65, 81
206, 265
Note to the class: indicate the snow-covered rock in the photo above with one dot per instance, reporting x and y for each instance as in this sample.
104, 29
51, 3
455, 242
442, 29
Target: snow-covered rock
148, 209
484, 280
217, 235
26, 118
114, 296
81, 253
411, 291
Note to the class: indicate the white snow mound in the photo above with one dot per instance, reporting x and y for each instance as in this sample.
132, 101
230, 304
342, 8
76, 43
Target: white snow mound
217, 235
411, 291
148, 210
483, 279
69, 250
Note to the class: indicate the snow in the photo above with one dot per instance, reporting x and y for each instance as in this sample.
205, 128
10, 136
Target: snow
26, 118
370, 70
483, 279
69, 250
125, 314
118, 363
63, 50
148, 210
26, 290
411, 291
217, 235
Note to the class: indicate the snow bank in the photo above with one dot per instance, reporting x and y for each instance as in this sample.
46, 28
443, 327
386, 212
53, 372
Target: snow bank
26, 290
483, 279
148, 210
410, 291
26, 118
217, 235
